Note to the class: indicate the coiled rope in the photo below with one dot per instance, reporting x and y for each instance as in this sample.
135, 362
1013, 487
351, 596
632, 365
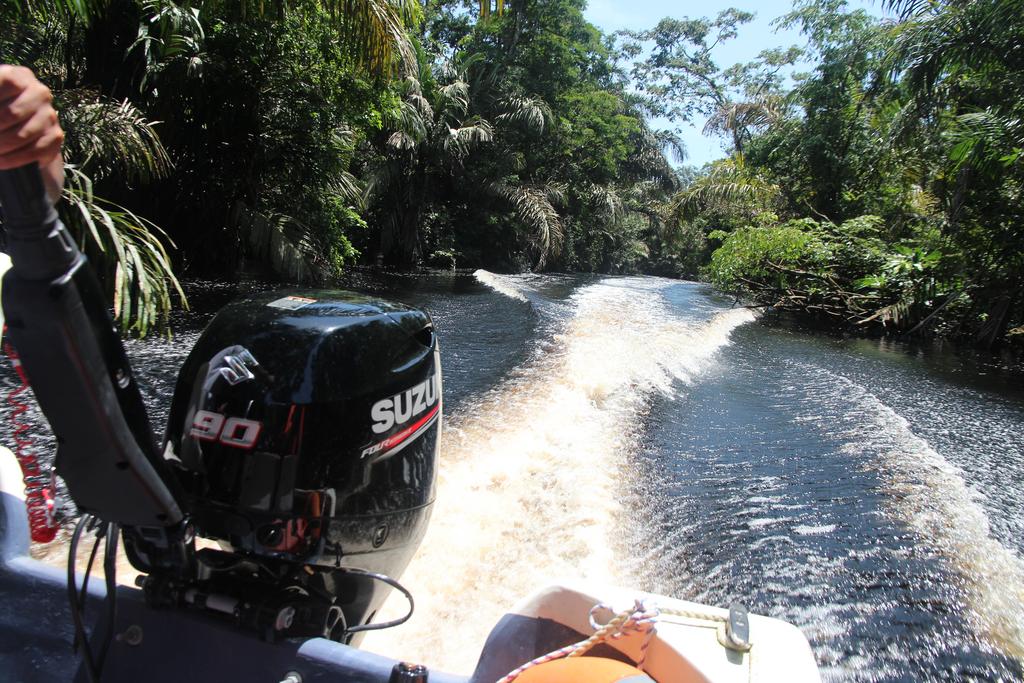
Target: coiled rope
641, 619
39, 500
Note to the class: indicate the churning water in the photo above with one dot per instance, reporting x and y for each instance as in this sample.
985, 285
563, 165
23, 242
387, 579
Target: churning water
649, 434
532, 469
643, 432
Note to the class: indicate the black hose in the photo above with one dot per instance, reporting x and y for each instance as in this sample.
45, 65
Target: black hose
88, 572
77, 607
394, 584
110, 574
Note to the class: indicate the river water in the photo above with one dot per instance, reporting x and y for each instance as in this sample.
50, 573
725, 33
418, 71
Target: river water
644, 432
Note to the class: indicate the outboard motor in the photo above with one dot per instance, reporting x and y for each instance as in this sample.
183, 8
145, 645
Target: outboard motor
298, 470
304, 433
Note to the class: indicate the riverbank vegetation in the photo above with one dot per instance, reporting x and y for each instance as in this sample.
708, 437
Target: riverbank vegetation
884, 194
879, 191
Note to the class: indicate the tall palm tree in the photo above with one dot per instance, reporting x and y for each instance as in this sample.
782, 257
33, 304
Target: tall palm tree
432, 134
740, 120
939, 45
963, 65
425, 160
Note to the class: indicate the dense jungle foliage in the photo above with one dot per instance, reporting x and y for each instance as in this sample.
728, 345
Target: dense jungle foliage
879, 190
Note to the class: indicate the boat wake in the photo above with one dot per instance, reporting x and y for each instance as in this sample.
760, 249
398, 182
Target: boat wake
530, 472
931, 496
499, 284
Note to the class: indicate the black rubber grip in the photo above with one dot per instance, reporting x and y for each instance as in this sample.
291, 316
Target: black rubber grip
25, 204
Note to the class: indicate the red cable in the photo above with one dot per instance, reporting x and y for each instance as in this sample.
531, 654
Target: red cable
39, 499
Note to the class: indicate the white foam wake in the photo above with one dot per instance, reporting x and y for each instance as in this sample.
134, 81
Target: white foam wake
530, 474
499, 284
930, 495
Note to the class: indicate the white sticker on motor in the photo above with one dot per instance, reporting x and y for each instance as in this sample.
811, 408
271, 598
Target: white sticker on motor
292, 303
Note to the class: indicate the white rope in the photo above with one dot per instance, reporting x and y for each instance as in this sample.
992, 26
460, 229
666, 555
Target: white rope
693, 614
641, 618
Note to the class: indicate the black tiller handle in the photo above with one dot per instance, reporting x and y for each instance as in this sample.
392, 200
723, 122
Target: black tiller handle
24, 201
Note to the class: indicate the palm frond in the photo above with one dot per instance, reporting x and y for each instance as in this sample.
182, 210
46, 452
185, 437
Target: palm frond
454, 98
906, 9
948, 37
645, 198
532, 113
285, 244
607, 200
108, 138
729, 182
128, 249
413, 117
374, 31
344, 184
985, 140
672, 144
401, 141
168, 32
39, 41
460, 140
736, 118
532, 204
347, 187
688, 203
648, 160
421, 104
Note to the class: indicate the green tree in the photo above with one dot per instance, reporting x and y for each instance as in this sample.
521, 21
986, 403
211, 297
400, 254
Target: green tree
106, 139
904, 154
681, 80
571, 171
427, 164
961, 64
113, 64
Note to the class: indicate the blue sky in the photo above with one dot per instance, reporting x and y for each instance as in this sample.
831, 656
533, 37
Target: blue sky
612, 15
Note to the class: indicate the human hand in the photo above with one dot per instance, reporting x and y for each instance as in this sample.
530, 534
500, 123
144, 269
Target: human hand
29, 129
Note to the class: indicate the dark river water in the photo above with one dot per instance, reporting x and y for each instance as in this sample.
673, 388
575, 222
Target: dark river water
643, 432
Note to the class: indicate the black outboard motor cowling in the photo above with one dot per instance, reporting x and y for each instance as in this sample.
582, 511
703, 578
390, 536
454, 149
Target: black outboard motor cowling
304, 432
